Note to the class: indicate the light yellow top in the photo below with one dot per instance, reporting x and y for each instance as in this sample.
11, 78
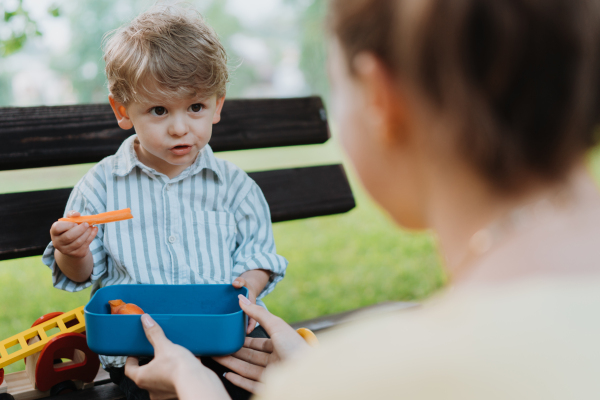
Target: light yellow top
532, 340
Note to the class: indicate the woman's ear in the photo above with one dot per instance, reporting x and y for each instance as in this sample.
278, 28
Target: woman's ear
120, 113
384, 100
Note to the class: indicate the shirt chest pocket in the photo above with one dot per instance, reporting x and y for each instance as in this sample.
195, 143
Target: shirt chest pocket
215, 234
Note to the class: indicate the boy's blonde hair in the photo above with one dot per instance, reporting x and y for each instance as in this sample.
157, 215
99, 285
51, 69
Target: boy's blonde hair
168, 51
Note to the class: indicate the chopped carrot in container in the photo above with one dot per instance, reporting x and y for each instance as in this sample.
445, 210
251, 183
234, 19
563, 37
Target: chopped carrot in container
120, 307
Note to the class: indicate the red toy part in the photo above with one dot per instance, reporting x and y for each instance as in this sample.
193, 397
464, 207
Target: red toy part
46, 317
1, 375
42, 319
64, 346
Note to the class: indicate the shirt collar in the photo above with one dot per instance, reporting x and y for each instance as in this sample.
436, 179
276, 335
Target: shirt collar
126, 159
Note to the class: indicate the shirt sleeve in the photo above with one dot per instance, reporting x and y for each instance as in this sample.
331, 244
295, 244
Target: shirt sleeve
255, 244
79, 202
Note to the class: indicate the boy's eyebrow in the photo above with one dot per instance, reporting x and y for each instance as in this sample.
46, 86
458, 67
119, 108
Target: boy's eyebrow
200, 98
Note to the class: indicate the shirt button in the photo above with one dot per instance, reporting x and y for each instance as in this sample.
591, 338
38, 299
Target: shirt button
172, 239
168, 186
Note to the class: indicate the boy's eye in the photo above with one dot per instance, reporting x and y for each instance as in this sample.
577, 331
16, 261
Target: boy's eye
196, 107
158, 111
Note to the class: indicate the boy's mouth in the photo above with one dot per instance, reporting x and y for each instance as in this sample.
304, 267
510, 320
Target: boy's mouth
181, 150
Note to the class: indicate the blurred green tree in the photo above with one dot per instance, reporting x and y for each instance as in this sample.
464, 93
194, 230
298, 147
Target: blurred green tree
89, 20
18, 26
313, 59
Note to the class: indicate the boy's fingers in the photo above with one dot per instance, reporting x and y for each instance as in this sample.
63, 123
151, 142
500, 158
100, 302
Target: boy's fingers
80, 241
91, 238
60, 227
73, 213
74, 233
154, 333
244, 383
92, 235
239, 282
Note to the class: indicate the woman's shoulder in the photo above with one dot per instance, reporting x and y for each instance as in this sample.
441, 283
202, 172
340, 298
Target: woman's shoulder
464, 344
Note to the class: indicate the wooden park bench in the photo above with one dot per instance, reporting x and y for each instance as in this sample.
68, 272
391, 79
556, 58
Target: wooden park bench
35, 137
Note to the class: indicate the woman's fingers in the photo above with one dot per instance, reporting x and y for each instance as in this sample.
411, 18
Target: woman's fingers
251, 326
241, 367
132, 367
254, 357
244, 383
154, 333
286, 341
260, 344
270, 322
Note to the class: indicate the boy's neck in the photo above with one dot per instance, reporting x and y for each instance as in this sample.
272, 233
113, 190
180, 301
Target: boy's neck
158, 164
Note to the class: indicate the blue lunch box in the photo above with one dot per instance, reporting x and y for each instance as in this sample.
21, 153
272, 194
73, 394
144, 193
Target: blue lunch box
205, 319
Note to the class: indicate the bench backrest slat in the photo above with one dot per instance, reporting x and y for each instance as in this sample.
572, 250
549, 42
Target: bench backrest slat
291, 194
47, 136
33, 137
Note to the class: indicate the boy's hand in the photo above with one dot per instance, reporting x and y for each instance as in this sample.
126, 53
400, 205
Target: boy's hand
72, 239
241, 282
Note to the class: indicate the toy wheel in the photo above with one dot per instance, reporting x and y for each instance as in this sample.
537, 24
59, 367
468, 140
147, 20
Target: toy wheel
6, 396
62, 388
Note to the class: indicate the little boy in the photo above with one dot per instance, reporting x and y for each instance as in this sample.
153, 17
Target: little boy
197, 219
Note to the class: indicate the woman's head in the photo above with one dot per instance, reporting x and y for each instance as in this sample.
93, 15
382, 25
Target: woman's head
509, 87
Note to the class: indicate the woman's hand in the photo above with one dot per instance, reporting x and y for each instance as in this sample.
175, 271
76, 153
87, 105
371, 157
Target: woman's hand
241, 282
257, 354
174, 372
255, 281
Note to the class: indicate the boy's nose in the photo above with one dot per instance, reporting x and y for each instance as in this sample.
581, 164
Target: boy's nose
178, 127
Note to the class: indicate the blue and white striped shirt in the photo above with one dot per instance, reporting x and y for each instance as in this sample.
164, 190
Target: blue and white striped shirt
207, 225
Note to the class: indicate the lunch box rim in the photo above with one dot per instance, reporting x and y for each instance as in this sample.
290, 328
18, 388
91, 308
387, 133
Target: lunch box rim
86, 311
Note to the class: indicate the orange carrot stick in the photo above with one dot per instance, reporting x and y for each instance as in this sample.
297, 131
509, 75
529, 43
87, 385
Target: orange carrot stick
103, 218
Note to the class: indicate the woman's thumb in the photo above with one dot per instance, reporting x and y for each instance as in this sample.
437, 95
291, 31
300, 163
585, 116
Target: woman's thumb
153, 331
262, 316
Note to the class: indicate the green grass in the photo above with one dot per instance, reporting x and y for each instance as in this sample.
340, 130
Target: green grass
346, 261
337, 262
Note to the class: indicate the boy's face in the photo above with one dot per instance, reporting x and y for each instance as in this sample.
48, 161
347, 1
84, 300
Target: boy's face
171, 132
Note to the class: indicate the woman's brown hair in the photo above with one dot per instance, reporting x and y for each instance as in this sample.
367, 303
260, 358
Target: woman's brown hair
517, 78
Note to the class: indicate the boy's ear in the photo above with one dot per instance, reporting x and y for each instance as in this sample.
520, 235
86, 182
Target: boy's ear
121, 113
217, 114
